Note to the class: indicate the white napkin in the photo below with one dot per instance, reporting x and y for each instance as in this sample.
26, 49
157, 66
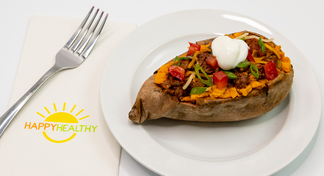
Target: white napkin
61, 130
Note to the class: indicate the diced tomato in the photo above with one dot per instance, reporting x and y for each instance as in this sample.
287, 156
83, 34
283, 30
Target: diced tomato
250, 57
193, 48
220, 79
177, 72
270, 70
212, 61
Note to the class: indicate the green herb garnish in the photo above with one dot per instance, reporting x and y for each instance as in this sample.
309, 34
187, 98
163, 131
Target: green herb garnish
254, 70
177, 58
198, 90
261, 44
209, 82
279, 63
243, 64
230, 75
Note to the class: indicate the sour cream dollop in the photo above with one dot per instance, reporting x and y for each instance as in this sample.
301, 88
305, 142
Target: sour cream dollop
229, 52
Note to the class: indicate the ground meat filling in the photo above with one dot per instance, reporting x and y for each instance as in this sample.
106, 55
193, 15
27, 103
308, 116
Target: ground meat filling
262, 74
174, 86
174, 81
270, 56
246, 69
241, 81
184, 64
178, 92
197, 83
202, 62
166, 84
254, 45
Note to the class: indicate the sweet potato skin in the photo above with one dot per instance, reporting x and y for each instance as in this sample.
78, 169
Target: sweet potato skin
153, 103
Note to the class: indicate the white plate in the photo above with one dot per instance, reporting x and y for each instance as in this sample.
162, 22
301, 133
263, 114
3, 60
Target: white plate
260, 146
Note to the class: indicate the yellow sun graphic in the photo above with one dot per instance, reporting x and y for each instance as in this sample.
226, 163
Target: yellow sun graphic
61, 117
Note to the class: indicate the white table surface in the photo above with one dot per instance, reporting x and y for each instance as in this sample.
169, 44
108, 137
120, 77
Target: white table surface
302, 22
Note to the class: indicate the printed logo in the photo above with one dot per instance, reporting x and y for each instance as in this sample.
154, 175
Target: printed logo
58, 121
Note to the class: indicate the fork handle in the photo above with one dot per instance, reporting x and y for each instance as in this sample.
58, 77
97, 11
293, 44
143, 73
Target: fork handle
7, 117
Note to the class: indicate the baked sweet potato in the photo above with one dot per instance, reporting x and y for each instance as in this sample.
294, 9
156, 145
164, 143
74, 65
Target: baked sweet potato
156, 101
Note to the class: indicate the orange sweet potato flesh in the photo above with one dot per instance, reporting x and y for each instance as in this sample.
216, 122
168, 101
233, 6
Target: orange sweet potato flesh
153, 103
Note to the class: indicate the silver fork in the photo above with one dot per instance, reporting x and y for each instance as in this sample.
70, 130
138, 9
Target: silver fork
74, 52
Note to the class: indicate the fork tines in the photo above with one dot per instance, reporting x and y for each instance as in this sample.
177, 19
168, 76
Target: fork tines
79, 41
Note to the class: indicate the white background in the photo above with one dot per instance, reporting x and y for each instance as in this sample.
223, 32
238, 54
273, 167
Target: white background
302, 22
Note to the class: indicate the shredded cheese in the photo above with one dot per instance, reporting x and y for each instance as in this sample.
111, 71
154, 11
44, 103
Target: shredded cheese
256, 37
245, 91
259, 60
286, 67
237, 34
188, 73
161, 75
204, 48
285, 59
273, 50
257, 84
183, 55
193, 59
233, 93
189, 81
253, 53
208, 89
241, 36
217, 92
